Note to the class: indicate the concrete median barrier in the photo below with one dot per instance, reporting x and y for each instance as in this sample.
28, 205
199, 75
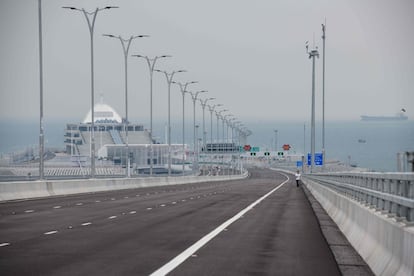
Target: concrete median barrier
385, 243
38, 189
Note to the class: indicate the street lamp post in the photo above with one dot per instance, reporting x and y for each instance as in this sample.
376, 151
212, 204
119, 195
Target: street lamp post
225, 136
196, 145
183, 89
126, 43
235, 144
219, 116
229, 123
194, 96
238, 131
41, 128
211, 109
312, 55
323, 94
91, 26
276, 140
203, 105
169, 77
151, 66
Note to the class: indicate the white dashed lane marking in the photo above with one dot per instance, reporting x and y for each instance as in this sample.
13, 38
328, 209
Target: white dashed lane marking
125, 213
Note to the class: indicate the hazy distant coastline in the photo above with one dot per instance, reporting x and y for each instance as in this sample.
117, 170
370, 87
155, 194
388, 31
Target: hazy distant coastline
383, 139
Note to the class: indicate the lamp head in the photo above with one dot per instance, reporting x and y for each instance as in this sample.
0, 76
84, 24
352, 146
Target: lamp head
70, 8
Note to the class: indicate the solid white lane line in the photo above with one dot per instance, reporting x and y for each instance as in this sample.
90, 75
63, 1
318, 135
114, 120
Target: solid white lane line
86, 223
171, 265
50, 232
4, 244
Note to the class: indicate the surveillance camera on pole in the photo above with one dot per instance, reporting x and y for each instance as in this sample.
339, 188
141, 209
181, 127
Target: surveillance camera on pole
312, 55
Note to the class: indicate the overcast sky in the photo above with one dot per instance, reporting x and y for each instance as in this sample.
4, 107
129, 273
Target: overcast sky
249, 55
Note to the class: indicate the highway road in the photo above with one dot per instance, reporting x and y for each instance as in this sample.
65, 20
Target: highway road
263, 225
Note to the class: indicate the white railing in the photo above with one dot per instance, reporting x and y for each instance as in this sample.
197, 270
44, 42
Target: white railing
392, 193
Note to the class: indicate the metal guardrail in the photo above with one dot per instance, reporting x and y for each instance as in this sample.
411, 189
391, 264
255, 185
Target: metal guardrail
392, 193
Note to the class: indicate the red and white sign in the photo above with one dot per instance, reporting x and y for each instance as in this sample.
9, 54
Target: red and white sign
286, 147
247, 147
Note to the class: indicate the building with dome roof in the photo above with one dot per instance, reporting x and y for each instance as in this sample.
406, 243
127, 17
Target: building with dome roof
103, 114
110, 137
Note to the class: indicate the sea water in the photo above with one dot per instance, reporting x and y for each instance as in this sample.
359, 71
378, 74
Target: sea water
371, 145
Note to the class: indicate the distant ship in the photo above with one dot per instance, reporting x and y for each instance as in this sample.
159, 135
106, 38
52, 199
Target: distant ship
398, 117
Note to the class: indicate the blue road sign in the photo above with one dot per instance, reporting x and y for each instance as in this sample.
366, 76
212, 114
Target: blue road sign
318, 159
299, 163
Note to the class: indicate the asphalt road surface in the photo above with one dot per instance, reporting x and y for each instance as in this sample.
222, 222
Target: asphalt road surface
263, 225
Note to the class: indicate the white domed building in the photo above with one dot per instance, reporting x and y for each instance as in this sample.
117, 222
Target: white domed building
103, 114
110, 140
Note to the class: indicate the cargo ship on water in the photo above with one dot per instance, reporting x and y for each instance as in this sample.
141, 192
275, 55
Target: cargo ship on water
398, 117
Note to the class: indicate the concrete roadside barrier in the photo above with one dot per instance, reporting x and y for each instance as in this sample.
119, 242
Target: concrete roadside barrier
385, 243
38, 189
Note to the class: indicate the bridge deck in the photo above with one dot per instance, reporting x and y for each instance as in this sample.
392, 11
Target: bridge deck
138, 231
